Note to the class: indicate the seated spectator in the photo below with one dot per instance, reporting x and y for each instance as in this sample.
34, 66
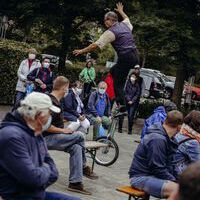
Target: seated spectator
61, 138
99, 110
189, 142
74, 109
87, 76
25, 68
189, 184
42, 77
159, 115
151, 169
132, 92
26, 167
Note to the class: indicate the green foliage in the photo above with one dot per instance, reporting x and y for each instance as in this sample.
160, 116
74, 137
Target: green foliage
12, 53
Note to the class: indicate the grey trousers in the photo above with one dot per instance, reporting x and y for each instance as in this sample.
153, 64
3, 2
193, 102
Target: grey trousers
74, 145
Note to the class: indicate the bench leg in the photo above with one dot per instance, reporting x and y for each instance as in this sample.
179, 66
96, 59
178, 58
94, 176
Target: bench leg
93, 159
129, 198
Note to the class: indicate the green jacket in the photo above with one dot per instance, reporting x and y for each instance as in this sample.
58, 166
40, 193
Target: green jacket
87, 75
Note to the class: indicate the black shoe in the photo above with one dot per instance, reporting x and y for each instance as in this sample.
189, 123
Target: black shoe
119, 130
78, 187
130, 132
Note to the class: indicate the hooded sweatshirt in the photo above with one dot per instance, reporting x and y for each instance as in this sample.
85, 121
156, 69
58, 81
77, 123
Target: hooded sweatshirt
154, 155
26, 168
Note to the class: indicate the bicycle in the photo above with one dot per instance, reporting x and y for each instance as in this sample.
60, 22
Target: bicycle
108, 155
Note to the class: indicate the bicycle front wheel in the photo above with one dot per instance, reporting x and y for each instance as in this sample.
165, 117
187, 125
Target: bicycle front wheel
106, 156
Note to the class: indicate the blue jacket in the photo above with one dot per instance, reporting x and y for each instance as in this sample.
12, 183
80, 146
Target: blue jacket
132, 91
45, 75
93, 100
70, 107
154, 155
159, 115
26, 168
187, 153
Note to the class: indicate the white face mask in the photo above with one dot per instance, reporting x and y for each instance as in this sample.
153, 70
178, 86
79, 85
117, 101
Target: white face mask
133, 79
31, 56
66, 93
102, 91
46, 65
47, 125
78, 91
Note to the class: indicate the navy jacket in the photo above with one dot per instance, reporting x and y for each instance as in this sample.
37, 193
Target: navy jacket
93, 100
45, 75
26, 168
154, 155
132, 91
70, 107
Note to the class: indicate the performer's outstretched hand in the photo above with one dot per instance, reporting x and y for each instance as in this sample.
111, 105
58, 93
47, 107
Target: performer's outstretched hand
120, 7
77, 52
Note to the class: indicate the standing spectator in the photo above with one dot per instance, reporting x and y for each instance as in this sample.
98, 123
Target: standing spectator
189, 142
26, 167
159, 115
87, 76
110, 88
25, 68
42, 77
74, 109
119, 35
151, 169
99, 110
60, 137
132, 92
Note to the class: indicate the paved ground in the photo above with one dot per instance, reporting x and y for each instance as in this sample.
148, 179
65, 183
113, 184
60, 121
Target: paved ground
109, 177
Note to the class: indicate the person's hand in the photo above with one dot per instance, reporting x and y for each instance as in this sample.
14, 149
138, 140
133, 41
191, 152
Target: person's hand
130, 102
67, 131
99, 120
82, 118
37, 80
77, 52
119, 8
43, 86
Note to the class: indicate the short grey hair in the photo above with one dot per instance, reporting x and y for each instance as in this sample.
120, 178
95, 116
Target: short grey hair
111, 15
31, 112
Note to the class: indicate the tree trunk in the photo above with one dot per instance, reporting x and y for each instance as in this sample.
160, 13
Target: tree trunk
66, 35
180, 74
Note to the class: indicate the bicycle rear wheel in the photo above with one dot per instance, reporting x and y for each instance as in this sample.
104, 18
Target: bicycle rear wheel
106, 156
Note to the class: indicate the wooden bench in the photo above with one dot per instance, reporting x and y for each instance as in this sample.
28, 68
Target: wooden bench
92, 147
133, 192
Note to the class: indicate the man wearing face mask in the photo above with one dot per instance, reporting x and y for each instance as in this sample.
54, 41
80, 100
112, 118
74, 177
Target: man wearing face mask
42, 77
25, 68
60, 137
99, 108
26, 167
74, 109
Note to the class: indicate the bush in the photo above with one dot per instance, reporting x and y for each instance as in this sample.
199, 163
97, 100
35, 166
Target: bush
12, 53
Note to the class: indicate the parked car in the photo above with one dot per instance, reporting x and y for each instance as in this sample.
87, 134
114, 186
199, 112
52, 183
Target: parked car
153, 86
195, 91
167, 84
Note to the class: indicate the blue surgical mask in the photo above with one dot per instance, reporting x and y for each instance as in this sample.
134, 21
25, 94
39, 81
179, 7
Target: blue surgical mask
47, 125
102, 91
78, 91
46, 65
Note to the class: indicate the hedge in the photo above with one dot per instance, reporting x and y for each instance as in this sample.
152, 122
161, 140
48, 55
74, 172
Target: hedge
12, 53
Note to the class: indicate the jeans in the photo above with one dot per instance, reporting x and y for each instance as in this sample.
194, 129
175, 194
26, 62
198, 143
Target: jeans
19, 96
151, 185
131, 114
49, 196
87, 88
74, 145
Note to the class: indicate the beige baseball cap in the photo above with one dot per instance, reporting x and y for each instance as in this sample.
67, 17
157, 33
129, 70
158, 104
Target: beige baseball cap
39, 101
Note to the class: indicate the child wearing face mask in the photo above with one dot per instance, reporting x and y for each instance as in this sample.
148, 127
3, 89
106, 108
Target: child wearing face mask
132, 92
74, 109
42, 77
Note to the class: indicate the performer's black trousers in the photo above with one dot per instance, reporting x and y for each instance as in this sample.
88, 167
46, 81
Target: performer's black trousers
120, 72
